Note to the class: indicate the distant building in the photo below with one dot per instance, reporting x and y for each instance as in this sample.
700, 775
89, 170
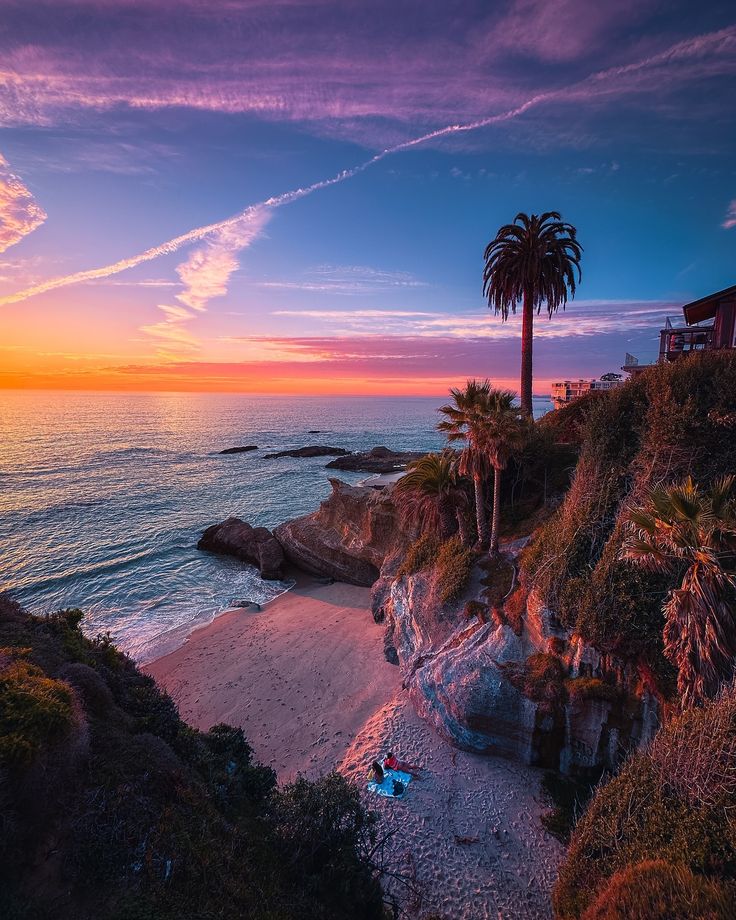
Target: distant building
565, 391
710, 325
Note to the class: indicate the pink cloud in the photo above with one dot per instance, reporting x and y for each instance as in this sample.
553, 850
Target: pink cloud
19, 212
729, 221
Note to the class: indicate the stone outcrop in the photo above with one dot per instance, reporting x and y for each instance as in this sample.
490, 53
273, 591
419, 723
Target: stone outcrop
347, 538
255, 545
313, 450
467, 678
240, 450
377, 460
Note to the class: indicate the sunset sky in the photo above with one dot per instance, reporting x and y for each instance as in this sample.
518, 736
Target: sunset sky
287, 196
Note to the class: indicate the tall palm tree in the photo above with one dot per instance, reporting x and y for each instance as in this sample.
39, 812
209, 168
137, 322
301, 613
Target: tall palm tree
691, 533
533, 262
432, 496
463, 422
504, 433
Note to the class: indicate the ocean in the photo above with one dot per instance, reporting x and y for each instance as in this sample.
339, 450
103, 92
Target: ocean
103, 496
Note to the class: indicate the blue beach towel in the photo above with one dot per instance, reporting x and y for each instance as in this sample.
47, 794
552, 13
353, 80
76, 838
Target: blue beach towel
386, 788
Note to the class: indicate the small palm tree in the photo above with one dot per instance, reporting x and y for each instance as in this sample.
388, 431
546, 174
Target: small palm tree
504, 434
533, 262
691, 533
463, 422
432, 496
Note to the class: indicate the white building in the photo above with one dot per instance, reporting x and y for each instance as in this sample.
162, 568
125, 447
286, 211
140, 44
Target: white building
565, 391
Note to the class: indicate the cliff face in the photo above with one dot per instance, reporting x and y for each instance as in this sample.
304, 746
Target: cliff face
348, 538
541, 696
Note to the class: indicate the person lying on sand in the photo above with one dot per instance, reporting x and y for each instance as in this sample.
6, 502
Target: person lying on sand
392, 762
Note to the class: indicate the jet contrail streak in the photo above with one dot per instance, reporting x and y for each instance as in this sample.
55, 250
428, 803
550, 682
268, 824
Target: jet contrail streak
599, 81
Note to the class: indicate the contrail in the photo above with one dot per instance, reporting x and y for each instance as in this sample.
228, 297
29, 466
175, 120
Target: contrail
274, 202
597, 82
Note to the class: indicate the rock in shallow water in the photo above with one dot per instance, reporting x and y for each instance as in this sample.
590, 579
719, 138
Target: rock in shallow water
377, 460
240, 450
255, 545
313, 450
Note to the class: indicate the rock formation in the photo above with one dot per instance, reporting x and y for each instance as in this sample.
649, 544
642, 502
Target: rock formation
255, 545
377, 460
239, 450
347, 538
313, 450
541, 696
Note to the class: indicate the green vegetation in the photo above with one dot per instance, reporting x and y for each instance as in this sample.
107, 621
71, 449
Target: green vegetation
453, 567
690, 535
463, 423
658, 890
591, 688
421, 555
540, 678
433, 497
658, 428
35, 711
111, 808
533, 262
675, 804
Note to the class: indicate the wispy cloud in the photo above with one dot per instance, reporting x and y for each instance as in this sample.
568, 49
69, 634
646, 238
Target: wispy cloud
729, 221
713, 51
348, 280
19, 212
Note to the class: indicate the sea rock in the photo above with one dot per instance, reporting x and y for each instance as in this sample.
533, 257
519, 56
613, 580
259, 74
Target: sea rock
376, 460
313, 450
255, 545
239, 450
347, 538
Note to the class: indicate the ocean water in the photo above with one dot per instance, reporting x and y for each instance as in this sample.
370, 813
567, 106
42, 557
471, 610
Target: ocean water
103, 496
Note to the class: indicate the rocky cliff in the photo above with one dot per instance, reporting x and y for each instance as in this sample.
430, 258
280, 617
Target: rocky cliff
348, 538
531, 691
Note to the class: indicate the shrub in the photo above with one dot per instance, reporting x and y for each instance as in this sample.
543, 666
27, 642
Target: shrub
35, 711
453, 567
658, 890
420, 555
657, 428
540, 677
591, 688
498, 579
676, 803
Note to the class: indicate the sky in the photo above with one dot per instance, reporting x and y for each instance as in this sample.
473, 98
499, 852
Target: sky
294, 196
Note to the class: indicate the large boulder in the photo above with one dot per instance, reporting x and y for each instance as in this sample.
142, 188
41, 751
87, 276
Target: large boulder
255, 545
347, 538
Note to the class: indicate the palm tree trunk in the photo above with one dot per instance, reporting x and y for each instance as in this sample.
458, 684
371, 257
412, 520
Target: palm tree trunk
462, 526
527, 341
447, 521
496, 509
480, 511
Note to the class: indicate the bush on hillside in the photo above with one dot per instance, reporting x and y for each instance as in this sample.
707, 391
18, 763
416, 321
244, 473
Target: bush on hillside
659, 427
421, 554
158, 820
452, 569
674, 803
658, 890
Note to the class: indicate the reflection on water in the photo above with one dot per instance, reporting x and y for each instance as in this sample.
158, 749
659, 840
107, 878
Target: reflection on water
103, 496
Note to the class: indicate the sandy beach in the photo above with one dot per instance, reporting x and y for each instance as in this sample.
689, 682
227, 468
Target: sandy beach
307, 681
300, 677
